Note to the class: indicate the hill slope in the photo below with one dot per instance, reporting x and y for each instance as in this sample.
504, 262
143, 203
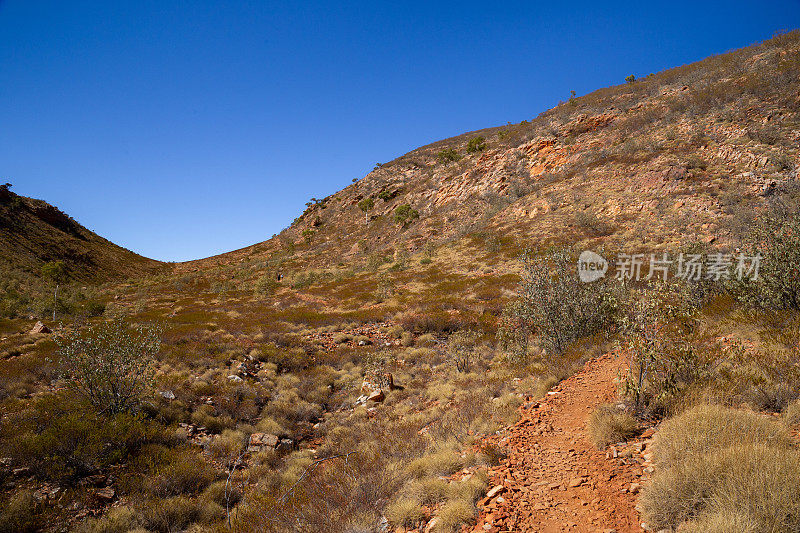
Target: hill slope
33, 232
695, 150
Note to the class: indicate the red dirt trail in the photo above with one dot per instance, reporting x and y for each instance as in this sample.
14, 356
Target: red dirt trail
553, 478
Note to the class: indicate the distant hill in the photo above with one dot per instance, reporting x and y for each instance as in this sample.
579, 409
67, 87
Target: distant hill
33, 232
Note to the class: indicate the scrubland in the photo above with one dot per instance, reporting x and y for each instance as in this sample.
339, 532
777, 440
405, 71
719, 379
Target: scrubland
250, 391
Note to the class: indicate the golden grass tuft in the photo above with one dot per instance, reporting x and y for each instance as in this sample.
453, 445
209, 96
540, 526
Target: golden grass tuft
608, 424
453, 514
723, 470
706, 428
404, 512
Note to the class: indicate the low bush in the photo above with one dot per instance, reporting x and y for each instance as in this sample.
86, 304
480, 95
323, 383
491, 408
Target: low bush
62, 439
404, 512
555, 306
705, 428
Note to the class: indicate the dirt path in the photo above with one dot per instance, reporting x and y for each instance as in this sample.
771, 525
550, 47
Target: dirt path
554, 479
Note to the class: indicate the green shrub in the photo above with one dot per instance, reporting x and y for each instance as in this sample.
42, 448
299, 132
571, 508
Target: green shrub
404, 214
448, 156
173, 471
476, 144
60, 439
554, 305
266, 285
776, 238
111, 365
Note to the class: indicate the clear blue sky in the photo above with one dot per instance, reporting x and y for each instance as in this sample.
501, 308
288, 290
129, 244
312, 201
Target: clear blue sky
185, 129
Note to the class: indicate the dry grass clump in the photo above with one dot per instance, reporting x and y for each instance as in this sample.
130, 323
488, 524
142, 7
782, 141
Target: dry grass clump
723, 470
453, 514
706, 428
404, 512
439, 463
792, 414
18, 513
609, 424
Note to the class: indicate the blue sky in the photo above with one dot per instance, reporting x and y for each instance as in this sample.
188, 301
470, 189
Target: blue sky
185, 129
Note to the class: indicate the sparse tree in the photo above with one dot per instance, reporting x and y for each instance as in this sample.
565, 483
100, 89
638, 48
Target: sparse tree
366, 206
56, 272
630, 79
462, 349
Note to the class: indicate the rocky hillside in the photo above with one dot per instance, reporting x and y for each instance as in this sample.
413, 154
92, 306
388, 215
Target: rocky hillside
33, 232
693, 151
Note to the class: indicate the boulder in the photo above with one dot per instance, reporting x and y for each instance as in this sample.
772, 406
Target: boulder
262, 441
167, 394
285, 445
39, 328
376, 396
106, 493
235, 379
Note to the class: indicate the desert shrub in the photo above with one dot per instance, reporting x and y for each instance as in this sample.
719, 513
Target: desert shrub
592, 224
792, 414
448, 156
406, 339
206, 416
266, 285
751, 480
18, 514
765, 380
476, 144
695, 162
173, 471
608, 424
555, 306
462, 349
776, 239
117, 520
717, 465
111, 364
765, 135
442, 462
227, 447
61, 439
705, 428
171, 514
453, 514
404, 214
